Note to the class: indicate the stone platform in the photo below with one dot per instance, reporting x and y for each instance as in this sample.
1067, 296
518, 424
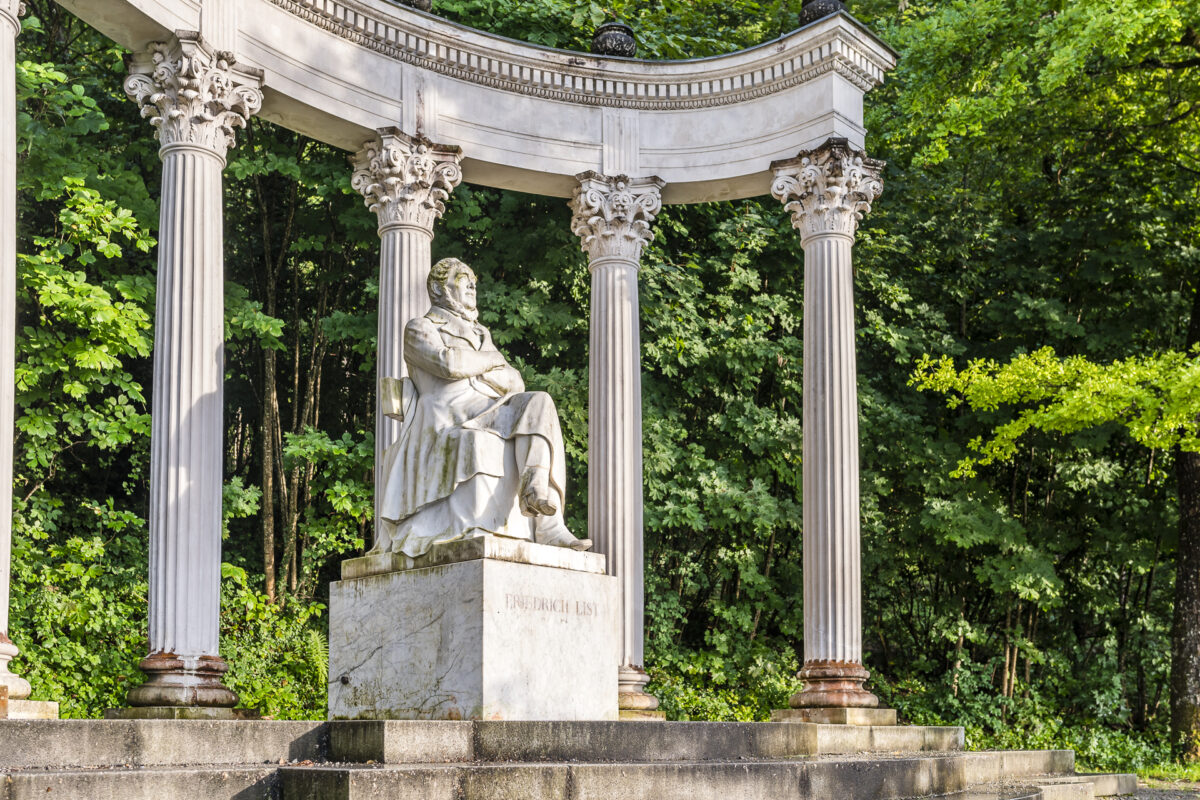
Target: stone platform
483, 628
488, 760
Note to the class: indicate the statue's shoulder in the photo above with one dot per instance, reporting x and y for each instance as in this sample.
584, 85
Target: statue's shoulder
428, 323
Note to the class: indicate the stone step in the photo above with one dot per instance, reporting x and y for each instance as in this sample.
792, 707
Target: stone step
799, 779
59, 744
1067, 791
406, 742
998, 766
1103, 784
997, 792
258, 782
836, 739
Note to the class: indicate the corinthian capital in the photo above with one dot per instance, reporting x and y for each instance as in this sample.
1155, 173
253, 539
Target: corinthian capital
10, 12
404, 179
612, 216
828, 190
191, 94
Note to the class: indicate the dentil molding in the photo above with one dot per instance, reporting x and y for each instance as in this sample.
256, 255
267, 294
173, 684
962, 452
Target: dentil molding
438, 46
404, 179
829, 189
612, 215
191, 94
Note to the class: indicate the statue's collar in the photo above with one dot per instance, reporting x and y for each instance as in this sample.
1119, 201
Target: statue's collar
457, 326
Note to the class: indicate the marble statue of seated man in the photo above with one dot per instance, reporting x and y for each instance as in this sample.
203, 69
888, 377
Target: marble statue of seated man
477, 453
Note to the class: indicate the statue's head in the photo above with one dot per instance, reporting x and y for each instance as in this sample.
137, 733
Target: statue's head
451, 286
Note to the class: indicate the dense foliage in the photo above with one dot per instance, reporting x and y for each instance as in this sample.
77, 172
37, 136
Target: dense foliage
1021, 514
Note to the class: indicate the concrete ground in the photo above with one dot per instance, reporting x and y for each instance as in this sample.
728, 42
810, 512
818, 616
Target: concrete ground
1167, 790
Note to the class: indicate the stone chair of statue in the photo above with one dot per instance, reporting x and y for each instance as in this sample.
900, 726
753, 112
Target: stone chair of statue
477, 454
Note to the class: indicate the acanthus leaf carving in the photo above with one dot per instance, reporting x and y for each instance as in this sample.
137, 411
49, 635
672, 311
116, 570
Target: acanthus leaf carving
406, 180
11, 12
612, 216
829, 189
192, 95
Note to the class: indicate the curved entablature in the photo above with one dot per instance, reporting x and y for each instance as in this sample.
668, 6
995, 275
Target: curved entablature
459, 52
531, 118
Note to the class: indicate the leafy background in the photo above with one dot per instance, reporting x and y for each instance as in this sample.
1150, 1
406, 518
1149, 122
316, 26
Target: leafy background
1024, 290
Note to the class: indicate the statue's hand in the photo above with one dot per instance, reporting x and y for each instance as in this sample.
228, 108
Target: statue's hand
505, 380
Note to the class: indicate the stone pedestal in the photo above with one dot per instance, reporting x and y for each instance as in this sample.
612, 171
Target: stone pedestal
484, 628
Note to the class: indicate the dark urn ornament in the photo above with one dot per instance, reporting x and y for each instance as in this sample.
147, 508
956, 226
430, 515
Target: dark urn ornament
419, 5
813, 10
614, 39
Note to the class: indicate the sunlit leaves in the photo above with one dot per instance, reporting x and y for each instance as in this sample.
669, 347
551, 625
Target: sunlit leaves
1156, 398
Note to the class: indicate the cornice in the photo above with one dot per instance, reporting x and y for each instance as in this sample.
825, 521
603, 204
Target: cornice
837, 45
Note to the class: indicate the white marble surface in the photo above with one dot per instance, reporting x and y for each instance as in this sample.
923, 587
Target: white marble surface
477, 546
480, 639
404, 181
827, 191
476, 453
195, 101
531, 118
9, 28
612, 216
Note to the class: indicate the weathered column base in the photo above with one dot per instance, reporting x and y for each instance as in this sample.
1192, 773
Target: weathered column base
837, 716
18, 688
182, 683
634, 702
14, 689
833, 685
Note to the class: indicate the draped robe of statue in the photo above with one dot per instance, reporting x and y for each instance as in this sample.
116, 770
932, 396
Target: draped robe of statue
456, 469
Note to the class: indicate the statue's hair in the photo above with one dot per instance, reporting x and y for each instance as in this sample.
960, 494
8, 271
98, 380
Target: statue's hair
440, 274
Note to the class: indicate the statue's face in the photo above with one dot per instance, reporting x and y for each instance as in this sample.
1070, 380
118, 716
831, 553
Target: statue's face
460, 289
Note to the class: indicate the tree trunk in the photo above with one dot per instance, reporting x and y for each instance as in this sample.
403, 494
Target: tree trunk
1185, 632
268, 472
1185, 636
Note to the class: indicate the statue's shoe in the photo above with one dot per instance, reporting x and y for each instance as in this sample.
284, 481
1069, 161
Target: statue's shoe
535, 495
559, 536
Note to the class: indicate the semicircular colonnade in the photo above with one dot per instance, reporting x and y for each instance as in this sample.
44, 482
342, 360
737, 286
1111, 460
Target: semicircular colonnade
423, 104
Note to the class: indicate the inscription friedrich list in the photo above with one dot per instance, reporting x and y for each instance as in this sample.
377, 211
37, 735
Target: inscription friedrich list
554, 605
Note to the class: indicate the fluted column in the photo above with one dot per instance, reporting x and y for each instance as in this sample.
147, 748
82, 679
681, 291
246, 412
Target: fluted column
612, 218
405, 180
195, 100
827, 191
10, 26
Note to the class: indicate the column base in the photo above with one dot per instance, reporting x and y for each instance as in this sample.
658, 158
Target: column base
631, 715
182, 682
26, 709
18, 687
833, 684
182, 712
632, 698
